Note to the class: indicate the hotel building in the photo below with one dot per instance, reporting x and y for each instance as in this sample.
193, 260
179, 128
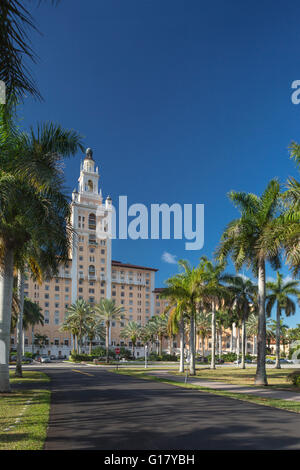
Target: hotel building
90, 273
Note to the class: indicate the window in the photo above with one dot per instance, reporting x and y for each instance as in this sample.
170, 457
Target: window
92, 270
92, 222
90, 185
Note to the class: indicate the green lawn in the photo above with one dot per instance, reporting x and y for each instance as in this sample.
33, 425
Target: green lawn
293, 406
277, 378
24, 414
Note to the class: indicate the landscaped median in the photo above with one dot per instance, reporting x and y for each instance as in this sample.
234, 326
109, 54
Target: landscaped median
24, 413
177, 380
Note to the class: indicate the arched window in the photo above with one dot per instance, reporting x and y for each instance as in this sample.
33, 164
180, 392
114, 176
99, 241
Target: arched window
92, 222
90, 186
92, 271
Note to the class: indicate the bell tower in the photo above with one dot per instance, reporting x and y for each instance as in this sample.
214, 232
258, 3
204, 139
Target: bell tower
89, 176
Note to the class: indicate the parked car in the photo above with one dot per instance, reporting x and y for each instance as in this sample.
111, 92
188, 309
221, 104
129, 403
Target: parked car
284, 361
45, 359
52, 357
270, 361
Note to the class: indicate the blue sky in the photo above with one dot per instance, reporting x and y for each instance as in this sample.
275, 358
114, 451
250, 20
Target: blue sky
180, 101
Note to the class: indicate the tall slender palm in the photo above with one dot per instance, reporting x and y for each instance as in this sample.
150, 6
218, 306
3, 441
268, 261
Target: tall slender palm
80, 314
216, 294
94, 329
250, 241
252, 325
160, 325
133, 332
177, 306
108, 312
291, 216
203, 328
70, 325
279, 294
33, 209
243, 293
32, 316
186, 288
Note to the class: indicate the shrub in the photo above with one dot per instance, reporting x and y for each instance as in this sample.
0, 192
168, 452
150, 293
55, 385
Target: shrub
164, 357
28, 354
294, 378
82, 357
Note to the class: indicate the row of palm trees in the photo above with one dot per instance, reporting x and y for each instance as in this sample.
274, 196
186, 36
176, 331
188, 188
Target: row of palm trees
267, 230
91, 321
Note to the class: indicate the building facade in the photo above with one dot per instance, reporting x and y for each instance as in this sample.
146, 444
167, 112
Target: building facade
90, 272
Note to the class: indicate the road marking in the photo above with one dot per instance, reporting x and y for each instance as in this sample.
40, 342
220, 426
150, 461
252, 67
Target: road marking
80, 372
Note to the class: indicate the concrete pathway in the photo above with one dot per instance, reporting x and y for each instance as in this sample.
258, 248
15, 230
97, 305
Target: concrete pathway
260, 392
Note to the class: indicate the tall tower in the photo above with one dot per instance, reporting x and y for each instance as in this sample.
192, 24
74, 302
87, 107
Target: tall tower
91, 255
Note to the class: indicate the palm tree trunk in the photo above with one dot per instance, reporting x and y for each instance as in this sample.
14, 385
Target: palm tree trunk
192, 344
231, 339
261, 376
90, 349
238, 343
18, 372
6, 290
220, 344
243, 341
213, 337
203, 350
278, 314
160, 339
107, 339
181, 333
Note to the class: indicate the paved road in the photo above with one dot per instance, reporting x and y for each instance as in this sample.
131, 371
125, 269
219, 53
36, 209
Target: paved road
97, 409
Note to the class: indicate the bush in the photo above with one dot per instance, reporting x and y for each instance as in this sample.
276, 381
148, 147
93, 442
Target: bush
294, 378
82, 357
164, 357
28, 354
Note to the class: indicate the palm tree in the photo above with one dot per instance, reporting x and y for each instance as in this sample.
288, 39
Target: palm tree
94, 329
177, 306
243, 294
252, 325
32, 316
250, 241
133, 332
40, 340
71, 325
108, 312
214, 292
279, 293
186, 288
291, 216
203, 328
80, 315
34, 212
160, 325
15, 49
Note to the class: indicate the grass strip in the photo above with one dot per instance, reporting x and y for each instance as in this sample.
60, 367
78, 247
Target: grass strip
24, 414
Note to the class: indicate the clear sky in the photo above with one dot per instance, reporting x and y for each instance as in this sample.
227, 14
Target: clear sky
181, 101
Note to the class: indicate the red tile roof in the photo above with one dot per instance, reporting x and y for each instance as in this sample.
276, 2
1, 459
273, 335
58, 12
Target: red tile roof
133, 266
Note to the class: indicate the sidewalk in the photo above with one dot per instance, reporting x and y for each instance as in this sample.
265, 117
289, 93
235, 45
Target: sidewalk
259, 392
